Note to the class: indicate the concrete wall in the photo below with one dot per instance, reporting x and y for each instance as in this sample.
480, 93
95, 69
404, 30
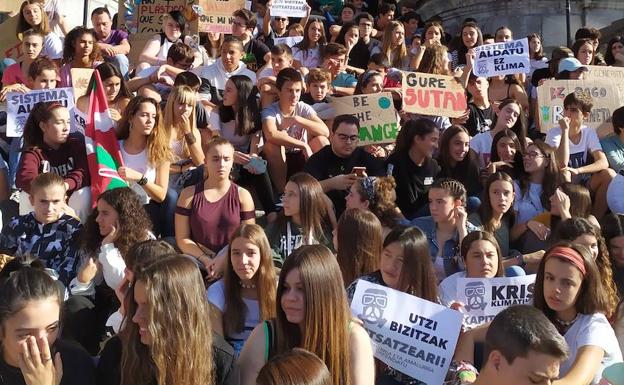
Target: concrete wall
74, 10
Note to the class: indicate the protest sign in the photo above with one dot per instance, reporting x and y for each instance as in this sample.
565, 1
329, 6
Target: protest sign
217, 15
289, 41
504, 58
10, 46
483, 298
437, 95
80, 81
606, 96
150, 13
289, 8
378, 121
411, 335
19, 106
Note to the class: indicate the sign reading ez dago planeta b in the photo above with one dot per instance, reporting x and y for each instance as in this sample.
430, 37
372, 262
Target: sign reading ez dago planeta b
378, 120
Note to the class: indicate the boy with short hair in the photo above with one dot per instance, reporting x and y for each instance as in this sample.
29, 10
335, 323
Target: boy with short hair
281, 57
291, 128
256, 53
380, 63
366, 46
217, 74
50, 232
574, 143
318, 85
334, 59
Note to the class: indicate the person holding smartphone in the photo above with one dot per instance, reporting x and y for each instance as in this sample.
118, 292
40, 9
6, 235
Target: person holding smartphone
338, 165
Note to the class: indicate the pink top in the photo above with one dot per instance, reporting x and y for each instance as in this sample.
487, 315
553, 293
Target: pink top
13, 75
66, 79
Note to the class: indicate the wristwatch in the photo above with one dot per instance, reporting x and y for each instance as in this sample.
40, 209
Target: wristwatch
142, 181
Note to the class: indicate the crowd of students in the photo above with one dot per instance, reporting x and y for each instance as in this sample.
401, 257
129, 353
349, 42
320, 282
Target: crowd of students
252, 210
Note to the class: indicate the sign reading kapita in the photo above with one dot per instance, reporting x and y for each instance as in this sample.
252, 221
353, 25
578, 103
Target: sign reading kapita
436, 95
378, 121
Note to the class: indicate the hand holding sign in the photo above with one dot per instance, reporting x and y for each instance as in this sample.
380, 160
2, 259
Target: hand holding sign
436, 95
504, 58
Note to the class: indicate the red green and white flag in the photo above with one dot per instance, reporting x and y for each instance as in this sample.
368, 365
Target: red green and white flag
103, 152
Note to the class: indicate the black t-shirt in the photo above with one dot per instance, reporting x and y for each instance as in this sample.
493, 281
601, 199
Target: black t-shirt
361, 53
325, 164
479, 120
225, 369
201, 116
539, 74
254, 54
307, 99
412, 181
78, 368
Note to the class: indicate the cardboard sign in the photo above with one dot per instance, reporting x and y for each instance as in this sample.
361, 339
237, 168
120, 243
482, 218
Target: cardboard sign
289, 8
19, 106
80, 81
484, 298
289, 41
437, 95
505, 58
378, 121
409, 334
607, 97
217, 15
150, 13
10, 46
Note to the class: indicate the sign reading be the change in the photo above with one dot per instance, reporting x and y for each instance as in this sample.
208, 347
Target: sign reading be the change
505, 58
411, 335
378, 121
484, 298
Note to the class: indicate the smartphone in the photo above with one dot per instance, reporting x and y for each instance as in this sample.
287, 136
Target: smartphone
359, 171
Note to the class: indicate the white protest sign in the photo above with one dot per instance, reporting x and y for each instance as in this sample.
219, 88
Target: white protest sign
505, 58
19, 106
289, 8
289, 41
484, 298
409, 334
435, 95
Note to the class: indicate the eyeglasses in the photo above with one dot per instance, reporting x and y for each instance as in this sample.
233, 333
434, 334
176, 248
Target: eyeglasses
348, 138
239, 24
533, 155
572, 109
281, 19
366, 25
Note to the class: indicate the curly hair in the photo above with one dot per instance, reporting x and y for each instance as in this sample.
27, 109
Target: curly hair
383, 203
134, 223
69, 48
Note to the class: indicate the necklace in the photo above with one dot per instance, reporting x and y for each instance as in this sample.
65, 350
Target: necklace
566, 323
245, 286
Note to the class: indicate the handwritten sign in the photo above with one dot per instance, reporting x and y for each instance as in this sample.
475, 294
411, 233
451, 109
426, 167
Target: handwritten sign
217, 15
10, 46
436, 95
289, 8
484, 298
80, 81
505, 58
378, 121
150, 13
607, 97
289, 41
19, 106
409, 334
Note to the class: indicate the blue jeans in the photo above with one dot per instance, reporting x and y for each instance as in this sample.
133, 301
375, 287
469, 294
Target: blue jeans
121, 61
162, 214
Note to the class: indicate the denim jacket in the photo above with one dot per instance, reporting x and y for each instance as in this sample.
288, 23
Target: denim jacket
450, 251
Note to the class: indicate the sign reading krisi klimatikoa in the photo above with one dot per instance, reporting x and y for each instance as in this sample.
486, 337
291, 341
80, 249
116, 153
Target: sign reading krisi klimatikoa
504, 58
484, 298
19, 106
409, 334
378, 121
436, 95
289, 8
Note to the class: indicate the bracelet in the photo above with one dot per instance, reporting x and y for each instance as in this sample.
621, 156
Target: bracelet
142, 181
190, 138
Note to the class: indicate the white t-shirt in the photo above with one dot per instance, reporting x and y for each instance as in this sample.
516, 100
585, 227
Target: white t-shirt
448, 288
588, 143
309, 58
528, 205
52, 46
227, 131
216, 296
482, 145
138, 162
591, 330
296, 131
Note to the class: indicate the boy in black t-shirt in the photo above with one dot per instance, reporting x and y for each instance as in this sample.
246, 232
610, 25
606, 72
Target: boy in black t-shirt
256, 53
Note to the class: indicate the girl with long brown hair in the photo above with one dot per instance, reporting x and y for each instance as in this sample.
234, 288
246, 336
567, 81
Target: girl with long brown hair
393, 46
80, 51
358, 241
33, 16
246, 294
306, 219
144, 147
313, 314
167, 337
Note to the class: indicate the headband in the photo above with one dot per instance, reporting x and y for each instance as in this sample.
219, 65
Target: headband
570, 255
368, 184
